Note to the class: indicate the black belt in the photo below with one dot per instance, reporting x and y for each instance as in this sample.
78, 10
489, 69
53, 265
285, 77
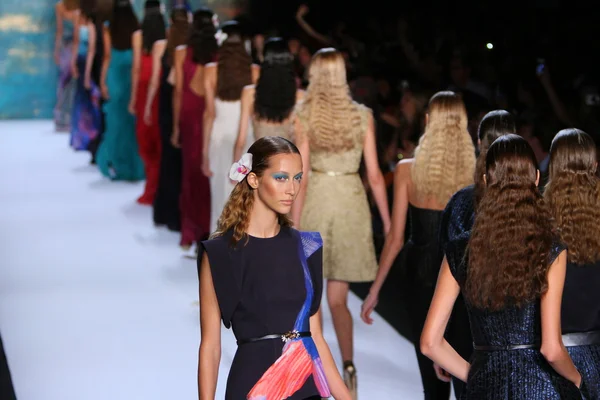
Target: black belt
581, 338
285, 337
505, 348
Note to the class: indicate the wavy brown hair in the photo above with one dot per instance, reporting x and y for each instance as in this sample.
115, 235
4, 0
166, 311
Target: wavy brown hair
445, 157
493, 125
327, 108
234, 70
236, 213
573, 194
512, 236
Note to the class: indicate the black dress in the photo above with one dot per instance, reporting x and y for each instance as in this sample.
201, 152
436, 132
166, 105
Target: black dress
265, 287
581, 322
501, 374
423, 257
166, 201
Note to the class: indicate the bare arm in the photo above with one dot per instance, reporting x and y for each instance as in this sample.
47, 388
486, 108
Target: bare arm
302, 11
136, 42
553, 348
91, 53
394, 239
247, 108
210, 89
304, 147
255, 71
178, 60
158, 50
374, 175
209, 354
105, 61
338, 389
433, 344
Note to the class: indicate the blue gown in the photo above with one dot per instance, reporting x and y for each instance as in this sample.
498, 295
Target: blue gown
522, 374
87, 118
118, 157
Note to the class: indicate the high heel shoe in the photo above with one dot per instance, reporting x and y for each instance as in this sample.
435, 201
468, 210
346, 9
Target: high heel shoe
350, 379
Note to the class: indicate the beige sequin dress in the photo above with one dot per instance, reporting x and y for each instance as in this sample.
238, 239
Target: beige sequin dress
262, 129
336, 205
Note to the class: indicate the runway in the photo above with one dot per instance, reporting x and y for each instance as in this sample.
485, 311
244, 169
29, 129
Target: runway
96, 303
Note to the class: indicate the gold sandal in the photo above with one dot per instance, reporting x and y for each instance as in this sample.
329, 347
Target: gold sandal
350, 379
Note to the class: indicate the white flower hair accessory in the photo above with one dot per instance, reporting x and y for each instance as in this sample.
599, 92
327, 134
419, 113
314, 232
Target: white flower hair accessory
239, 170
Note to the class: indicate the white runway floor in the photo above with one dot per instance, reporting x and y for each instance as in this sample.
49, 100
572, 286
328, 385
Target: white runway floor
98, 304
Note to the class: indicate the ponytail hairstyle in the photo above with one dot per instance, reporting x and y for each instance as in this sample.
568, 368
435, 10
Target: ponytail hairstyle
178, 32
510, 245
153, 25
573, 194
493, 125
202, 41
234, 70
236, 213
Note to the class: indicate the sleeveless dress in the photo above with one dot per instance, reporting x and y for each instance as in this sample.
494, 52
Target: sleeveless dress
222, 141
195, 187
501, 374
422, 256
270, 286
65, 87
166, 202
87, 117
148, 136
262, 129
336, 205
581, 322
118, 157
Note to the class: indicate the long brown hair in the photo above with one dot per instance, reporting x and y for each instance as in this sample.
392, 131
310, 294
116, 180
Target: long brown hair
445, 157
122, 25
178, 32
234, 70
493, 125
573, 194
236, 213
510, 244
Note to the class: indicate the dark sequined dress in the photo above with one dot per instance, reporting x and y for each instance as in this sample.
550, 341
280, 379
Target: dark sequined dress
580, 318
501, 374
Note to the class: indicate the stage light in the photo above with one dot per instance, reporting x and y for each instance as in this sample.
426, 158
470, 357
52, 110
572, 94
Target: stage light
489, 46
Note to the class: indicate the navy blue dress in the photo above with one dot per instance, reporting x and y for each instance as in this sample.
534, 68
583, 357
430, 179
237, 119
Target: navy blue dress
260, 287
581, 317
501, 374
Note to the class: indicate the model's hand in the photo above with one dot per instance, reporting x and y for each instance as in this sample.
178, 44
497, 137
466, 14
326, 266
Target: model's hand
148, 117
104, 91
368, 307
131, 107
442, 374
206, 167
175, 138
87, 83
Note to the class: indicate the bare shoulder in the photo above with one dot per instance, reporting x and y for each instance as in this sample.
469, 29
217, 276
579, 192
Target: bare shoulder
159, 46
181, 48
255, 67
300, 95
403, 167
212, 66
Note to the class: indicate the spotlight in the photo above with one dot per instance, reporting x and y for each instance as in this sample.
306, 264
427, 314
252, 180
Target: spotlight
489, 46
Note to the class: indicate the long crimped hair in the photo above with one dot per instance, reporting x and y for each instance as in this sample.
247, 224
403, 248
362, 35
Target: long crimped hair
493, 125
202, 41
275, 94
234, 70
328, 107
153, 25
178, 32
509, 248
122, 25
444, 160
236, 212
573, 194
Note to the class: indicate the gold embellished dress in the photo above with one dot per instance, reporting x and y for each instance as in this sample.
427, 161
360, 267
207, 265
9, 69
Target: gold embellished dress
336, 205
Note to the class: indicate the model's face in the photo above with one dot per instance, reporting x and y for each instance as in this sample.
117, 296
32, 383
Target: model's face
278, 187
